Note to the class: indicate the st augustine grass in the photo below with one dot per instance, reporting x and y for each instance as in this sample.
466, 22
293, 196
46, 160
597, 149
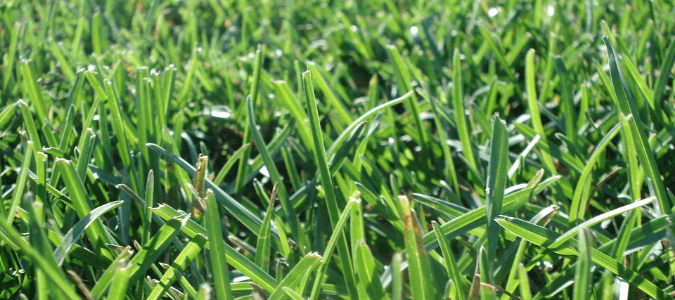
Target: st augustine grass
384, 149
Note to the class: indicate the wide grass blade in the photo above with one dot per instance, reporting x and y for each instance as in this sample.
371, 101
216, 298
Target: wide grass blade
74, 234
583, 270
494, 191
422, 287
217, 261
82, 205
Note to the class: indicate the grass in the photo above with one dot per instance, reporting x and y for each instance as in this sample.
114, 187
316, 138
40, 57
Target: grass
382, 150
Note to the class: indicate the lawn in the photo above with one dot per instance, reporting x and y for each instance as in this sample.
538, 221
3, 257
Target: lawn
297, 149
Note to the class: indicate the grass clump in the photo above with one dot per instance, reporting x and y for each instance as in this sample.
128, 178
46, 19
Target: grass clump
380, 150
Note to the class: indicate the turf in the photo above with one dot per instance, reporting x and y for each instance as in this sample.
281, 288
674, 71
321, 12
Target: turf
382, 149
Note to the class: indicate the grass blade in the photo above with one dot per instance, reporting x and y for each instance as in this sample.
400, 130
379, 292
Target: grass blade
418, 262
626, 105
543, 237
217, 257
234, 258
302, 269
494, 192
583, 270
74, 234
327, 182
189, 253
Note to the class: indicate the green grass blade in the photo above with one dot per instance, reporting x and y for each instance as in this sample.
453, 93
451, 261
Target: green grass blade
597, 219
107, 277
120, 284
189, 253
250, 220
422, 286
74, 234
578, 205
494, 192
334, 240
304, 267
30, 85
327, 182
17, 195
242, 171
543, 237
262, 253
666, 68
533, 107
234, 258
82, 206
12, 236
450, 263
236, 156
154, 248
626, 105
288, 209
583, 270
460, 111
525, 289
219, 270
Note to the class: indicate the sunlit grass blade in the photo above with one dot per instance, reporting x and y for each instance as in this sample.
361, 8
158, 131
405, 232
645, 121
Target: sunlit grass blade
418, 261
304, 267
20, 183
543, 237
217, 256
525, 289
234, 258
450, 263
578, 205
82, 206
107, 277
334, 240
583, 270
626, 106
245, 216
189, 253
120, 284
291, 216
262, 253
236, 156
347, 131
74, 234
149, 203
460, 112
154, 248
494, 191
34, 93
321, 161
533, 107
